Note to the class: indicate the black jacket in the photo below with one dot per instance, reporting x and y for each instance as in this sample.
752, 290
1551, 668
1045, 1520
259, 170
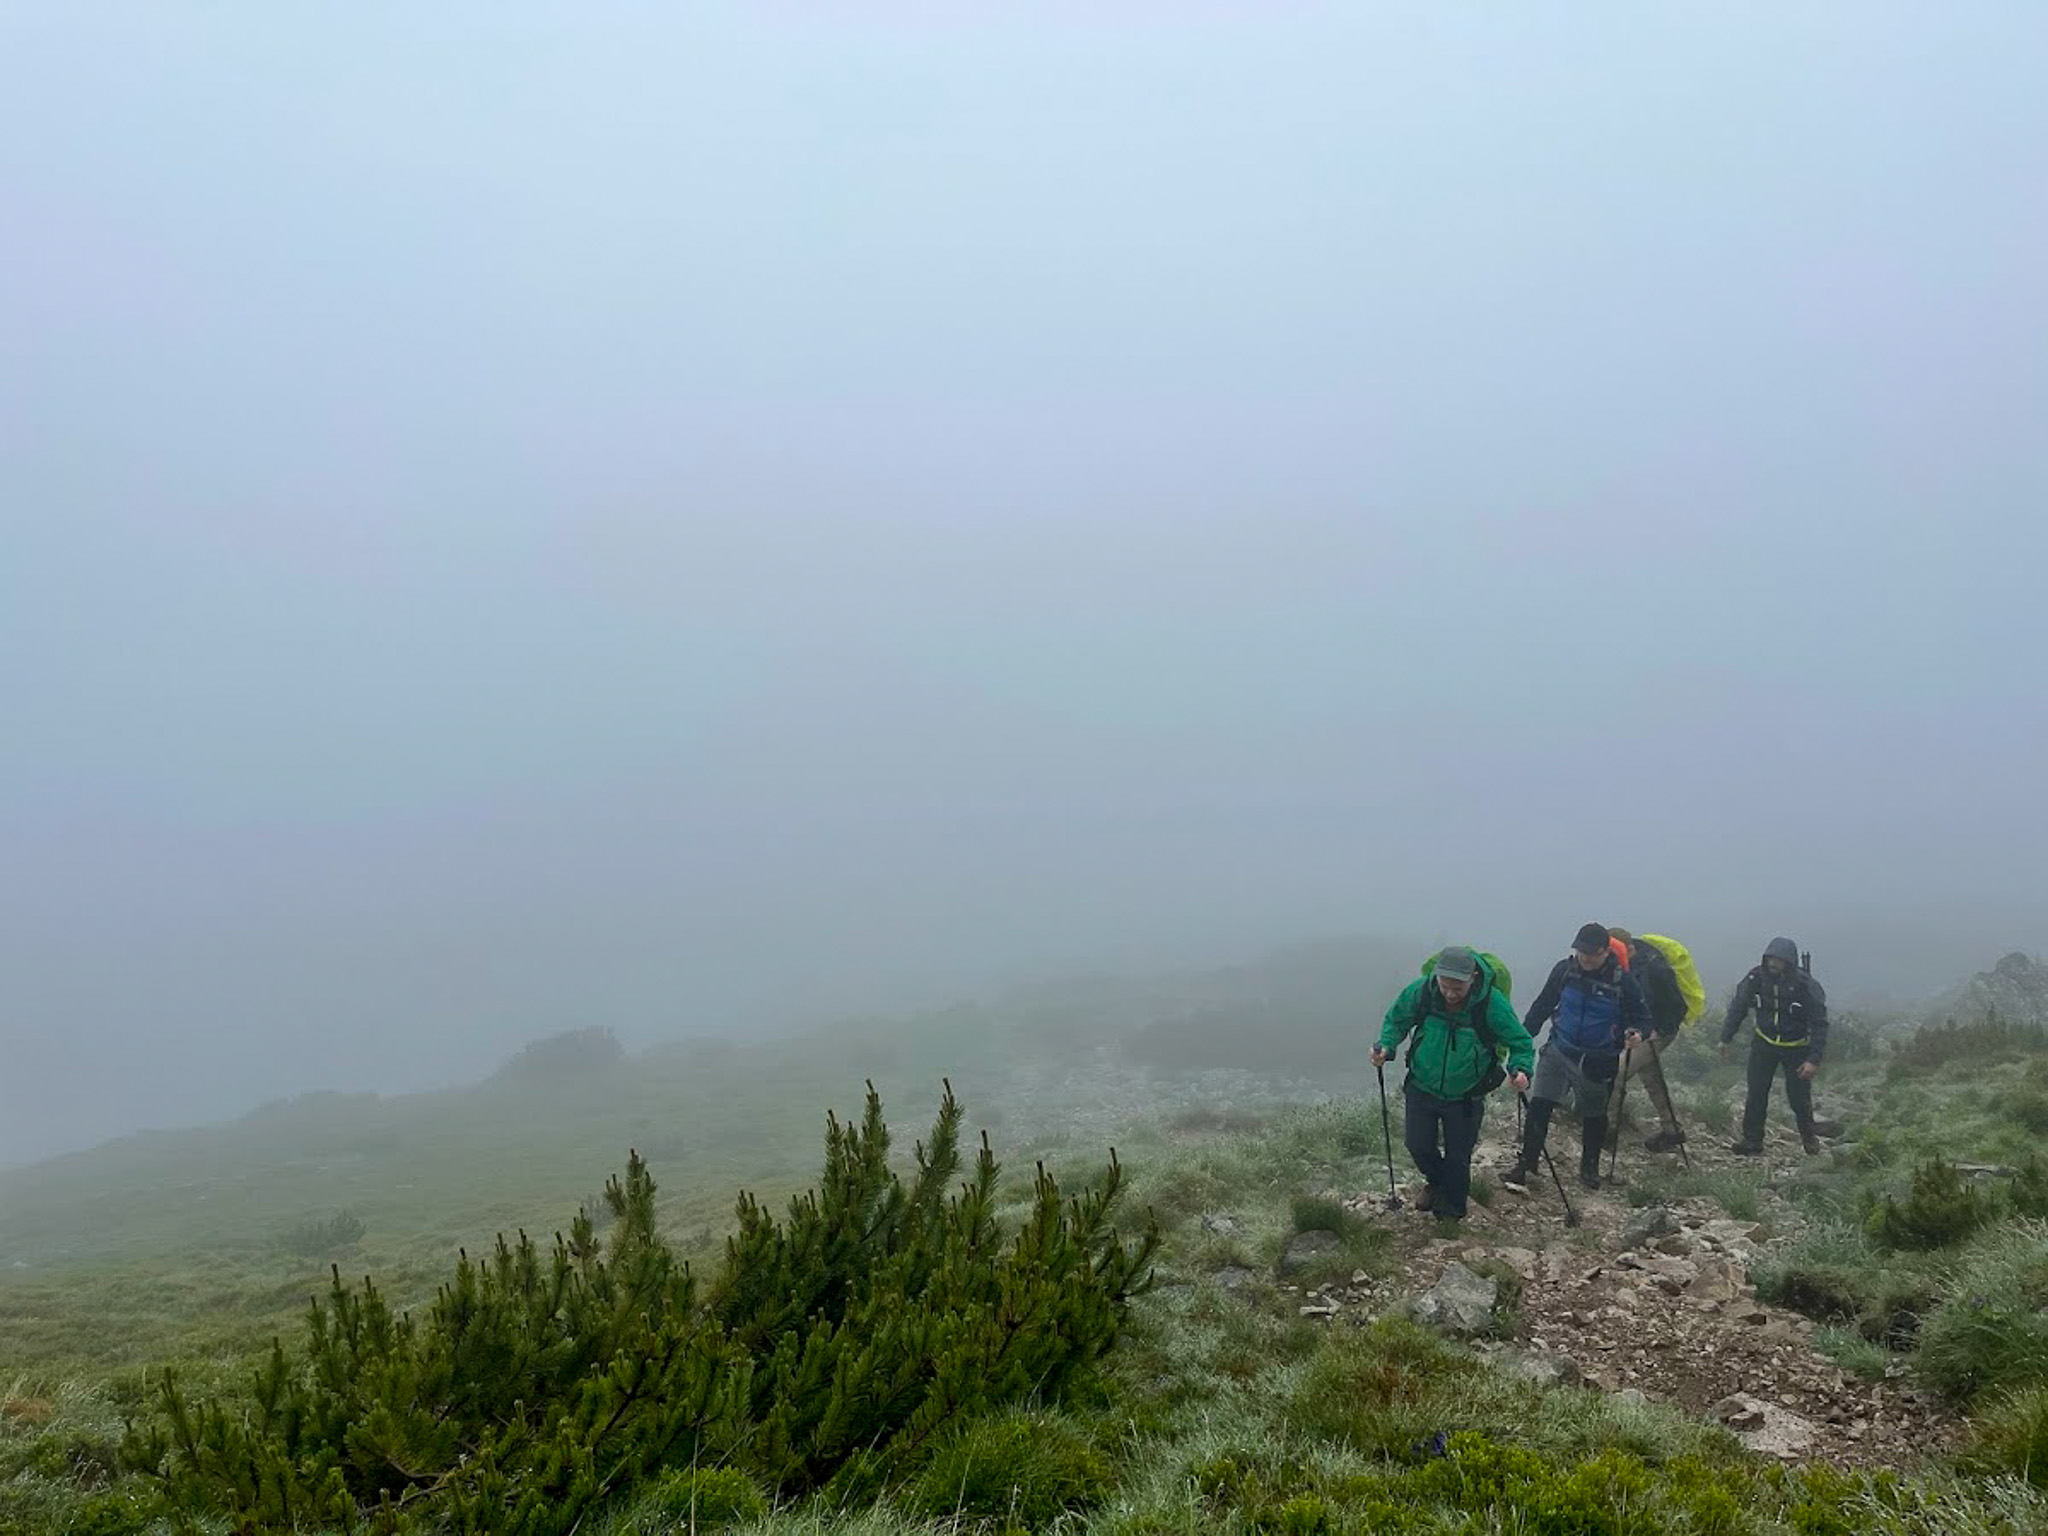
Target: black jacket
1653, 973
1791, 1010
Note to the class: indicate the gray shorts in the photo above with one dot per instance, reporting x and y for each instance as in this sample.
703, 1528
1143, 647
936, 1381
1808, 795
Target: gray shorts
1564, 1077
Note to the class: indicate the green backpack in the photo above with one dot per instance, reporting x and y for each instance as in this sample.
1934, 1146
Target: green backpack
1496, 970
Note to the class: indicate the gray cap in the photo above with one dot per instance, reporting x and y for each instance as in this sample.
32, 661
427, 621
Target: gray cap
1457, 964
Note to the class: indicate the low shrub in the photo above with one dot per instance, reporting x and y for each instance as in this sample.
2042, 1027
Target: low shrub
1826, 1292
1939, 1211
2027, 1107
2028, 1193
322, 1238
1933, 1047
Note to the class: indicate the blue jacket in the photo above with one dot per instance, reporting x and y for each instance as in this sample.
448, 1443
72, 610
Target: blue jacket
1593, 1009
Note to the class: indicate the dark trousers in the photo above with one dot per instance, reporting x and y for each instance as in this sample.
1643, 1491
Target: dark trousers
1441, 1134
1765, 1062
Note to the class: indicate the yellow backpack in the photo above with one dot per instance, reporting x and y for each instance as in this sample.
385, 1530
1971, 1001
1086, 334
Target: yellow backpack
1689, 983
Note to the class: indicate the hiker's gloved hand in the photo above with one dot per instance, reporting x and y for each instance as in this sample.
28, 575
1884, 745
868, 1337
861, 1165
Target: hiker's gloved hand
1379, 1056
1521, 1082
1808, 1068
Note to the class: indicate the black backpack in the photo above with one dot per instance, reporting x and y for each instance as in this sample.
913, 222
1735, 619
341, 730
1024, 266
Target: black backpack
1658, 978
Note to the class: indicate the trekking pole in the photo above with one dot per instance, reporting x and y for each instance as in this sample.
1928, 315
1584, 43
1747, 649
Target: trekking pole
1387, 1130
1571, 1217
1620, 1104
1683, 1155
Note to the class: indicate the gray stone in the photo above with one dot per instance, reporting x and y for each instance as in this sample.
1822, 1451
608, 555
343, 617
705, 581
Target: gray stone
1718, 1280
1727, 1231
1461, 1302
1766, 1427
1647, 1225
1304, 1248
1521, 1260
1671, 1274
1231, 1276
1221, 1226
1541, 1366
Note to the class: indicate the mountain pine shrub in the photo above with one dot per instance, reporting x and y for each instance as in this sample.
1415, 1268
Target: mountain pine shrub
839, 1346
1939, 1211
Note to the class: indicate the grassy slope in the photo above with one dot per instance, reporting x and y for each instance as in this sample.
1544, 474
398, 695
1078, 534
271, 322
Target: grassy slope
1235, 1414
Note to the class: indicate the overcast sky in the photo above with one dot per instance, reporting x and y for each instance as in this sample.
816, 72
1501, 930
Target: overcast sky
682, 516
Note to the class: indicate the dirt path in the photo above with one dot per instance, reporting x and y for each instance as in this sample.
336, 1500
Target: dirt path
1658, 1301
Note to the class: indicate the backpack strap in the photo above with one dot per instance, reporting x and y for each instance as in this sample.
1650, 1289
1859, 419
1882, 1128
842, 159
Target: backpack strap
1478, 1025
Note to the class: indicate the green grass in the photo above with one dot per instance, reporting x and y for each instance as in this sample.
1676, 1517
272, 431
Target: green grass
1226, 1412
1859, 1356
1989, 1333
1321, 1213
1738, 1191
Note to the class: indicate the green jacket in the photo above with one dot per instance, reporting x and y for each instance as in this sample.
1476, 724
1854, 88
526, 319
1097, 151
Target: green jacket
1449, 1059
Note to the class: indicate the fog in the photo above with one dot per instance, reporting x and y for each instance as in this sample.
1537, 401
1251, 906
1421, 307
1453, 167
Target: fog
696, 518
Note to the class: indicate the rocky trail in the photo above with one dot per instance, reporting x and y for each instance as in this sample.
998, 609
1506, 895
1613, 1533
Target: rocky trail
1655, 1301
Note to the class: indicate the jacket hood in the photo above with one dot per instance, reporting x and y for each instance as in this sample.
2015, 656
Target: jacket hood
1783, 949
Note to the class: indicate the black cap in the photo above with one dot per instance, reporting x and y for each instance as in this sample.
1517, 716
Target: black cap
1591, 940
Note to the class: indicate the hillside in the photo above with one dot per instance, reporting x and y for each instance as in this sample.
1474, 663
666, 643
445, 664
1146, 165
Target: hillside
1840, 1342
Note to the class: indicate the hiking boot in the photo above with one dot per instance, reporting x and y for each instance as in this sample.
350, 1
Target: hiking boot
1746, 1148
1426, 1201
1517, 1178
1665, 1141
1590, 1177
1811, 1142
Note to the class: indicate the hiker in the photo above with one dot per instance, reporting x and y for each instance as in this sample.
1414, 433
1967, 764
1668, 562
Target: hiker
1791, 1032
1462, 1023
1642, 1055
1593, 1005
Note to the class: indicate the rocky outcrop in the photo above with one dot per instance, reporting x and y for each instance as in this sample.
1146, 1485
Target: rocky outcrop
2015, 989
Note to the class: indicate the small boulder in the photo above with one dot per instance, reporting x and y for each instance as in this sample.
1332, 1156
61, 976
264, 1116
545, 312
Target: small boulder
1461, 1302
1647, 1225
1522, 1261
1717, 1280
1767, 1427
1542, 1367
1740, 1413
